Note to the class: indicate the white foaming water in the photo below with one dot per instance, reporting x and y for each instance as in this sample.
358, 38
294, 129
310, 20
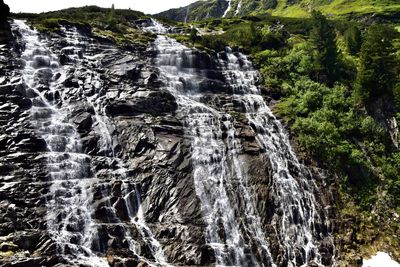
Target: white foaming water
156, 27
381, 259
69, 210
209, 158
238, 8
137, 218
228, 8
214, 176
294, 195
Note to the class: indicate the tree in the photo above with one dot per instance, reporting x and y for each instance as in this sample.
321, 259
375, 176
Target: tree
111, 18
193, 35
353, 39
378, 66
323, 40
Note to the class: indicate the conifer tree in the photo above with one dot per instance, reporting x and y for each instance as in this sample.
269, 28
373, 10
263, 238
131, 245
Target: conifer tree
323, 40
378, 66
353, 39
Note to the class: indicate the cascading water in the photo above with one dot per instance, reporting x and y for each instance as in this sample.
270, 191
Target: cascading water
238, 8
213, 173
239, 239
129, 190
69, 211
207, 154
296, 203
94, 201
227, 9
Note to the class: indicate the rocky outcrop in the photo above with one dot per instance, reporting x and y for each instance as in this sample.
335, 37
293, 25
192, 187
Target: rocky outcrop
5, 30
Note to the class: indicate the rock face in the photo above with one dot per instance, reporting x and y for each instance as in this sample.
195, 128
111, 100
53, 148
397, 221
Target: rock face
5, 31
4, 10
140, 158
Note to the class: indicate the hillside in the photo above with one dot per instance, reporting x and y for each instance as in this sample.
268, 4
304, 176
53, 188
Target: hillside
288, 8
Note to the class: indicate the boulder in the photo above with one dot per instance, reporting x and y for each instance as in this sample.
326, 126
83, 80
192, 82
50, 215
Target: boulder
84, 121
149, 102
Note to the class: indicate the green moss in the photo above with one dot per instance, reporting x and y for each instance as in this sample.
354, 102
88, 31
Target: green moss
6, 254
126, 36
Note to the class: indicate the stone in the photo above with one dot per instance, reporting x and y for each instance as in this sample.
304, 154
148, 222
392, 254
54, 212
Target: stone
40, 61
84, 121
71, 82
8, 246
6, 89
154, 103
43, 76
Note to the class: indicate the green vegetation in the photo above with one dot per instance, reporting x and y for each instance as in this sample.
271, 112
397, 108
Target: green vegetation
379, 66
353, 39
114, 24
335, 82
295, 9
322, 39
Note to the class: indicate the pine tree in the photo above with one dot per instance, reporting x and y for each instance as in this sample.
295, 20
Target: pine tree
378, 66
323, 39
193, 35
353, 39
111, 18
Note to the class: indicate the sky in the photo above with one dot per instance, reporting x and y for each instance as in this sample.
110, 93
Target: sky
146, 6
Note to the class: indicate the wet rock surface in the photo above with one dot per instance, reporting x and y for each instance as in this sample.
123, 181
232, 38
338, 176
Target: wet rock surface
135, 143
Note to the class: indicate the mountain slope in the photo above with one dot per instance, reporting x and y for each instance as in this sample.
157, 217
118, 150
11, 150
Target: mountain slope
289, 8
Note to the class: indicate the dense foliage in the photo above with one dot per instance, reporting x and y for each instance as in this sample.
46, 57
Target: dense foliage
378, 64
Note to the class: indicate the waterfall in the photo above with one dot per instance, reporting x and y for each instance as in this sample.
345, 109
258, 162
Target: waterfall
130, 192
94, 199
236, 234
228, 8
238, 8
214, 175
69, 220
296, 203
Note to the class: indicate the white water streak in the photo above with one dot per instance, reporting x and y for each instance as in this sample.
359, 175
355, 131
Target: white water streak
228, 8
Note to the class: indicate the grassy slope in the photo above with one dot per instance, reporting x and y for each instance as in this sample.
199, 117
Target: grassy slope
286, 8
338, 7
116, 25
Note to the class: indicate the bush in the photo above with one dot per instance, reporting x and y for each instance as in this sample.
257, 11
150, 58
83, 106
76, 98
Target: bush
353, 39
